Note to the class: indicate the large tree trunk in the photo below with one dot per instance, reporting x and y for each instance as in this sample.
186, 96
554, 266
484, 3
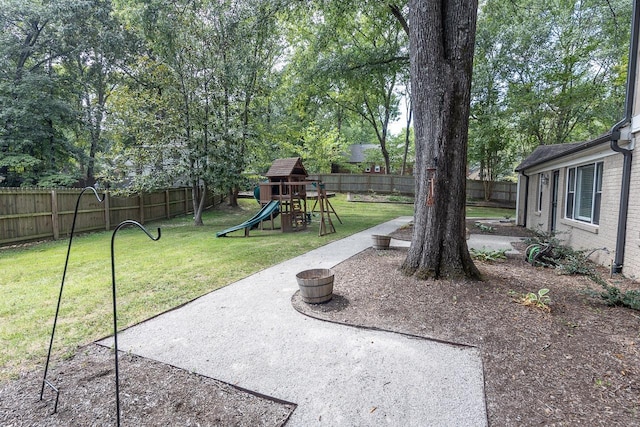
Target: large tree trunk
441, 53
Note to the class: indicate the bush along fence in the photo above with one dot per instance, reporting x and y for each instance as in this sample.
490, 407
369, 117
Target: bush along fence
499, 193
34, 214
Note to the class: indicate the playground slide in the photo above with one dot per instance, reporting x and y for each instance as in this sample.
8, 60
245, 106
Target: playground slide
263, 214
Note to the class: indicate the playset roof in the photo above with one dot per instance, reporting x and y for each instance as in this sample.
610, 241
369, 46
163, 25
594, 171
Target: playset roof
284, 168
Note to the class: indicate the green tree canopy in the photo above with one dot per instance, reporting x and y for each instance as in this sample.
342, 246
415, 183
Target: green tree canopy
544, 73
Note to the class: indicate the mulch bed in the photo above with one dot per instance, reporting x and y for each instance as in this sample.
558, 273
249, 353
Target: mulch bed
151, 394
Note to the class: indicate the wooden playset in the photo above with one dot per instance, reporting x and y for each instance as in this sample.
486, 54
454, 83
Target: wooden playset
285, 195
288, 185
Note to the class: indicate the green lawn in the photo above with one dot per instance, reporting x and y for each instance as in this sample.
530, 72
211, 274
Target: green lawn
482, 212
152, 277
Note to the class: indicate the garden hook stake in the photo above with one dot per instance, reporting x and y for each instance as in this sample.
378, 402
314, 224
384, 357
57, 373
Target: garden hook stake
45, 382
115, 315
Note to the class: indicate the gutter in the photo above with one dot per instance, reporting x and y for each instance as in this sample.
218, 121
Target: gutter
615, 137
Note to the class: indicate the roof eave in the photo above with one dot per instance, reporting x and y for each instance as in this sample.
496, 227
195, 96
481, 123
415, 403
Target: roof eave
585, 146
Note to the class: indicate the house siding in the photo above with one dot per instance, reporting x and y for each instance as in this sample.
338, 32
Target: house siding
599, 238
538, 220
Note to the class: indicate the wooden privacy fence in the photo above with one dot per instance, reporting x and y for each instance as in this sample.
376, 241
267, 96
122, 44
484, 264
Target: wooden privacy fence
364, 183
503, 193
32, 214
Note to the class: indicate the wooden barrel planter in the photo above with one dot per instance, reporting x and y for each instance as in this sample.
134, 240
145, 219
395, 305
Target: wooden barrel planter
316, 285
381, 242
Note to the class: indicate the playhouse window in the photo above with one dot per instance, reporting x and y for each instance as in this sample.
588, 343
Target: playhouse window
584, 192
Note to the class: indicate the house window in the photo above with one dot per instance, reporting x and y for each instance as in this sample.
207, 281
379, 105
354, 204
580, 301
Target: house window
539, 199
584, 193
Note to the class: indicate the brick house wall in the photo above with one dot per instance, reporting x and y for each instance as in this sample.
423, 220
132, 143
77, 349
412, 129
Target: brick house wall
632, 245
580, 235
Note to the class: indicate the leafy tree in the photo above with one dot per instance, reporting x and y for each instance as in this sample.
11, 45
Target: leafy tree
34, 111
204, 70
321, 149
441, 50
93, 69
489, 133
546, 73
349, 58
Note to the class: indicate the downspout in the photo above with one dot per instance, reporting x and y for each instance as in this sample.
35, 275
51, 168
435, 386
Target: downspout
526, 198
615, 137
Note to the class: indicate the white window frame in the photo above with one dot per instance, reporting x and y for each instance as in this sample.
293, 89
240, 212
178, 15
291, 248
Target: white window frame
580, 178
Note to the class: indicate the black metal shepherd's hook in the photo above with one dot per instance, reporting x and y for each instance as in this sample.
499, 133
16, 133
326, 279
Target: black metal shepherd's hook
115, 315
45, 382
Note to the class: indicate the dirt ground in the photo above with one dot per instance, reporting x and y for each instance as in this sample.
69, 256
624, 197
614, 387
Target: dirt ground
151, 394
577, 364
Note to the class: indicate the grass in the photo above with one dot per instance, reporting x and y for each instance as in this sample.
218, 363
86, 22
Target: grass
487, 212
151, 277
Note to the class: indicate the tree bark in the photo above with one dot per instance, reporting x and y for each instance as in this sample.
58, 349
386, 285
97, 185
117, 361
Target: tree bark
441, 53
233, 196
199, 194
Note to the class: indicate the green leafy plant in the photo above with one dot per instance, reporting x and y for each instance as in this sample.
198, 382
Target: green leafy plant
570, 261
488, 254
539, 300
615, 297
544, 238
485, 228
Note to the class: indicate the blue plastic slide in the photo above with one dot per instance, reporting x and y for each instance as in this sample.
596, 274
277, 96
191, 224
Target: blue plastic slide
264, 214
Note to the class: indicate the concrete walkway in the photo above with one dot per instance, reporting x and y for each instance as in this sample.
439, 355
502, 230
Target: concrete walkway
248, 334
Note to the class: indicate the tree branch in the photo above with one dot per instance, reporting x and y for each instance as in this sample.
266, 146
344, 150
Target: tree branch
378, 63
395, 10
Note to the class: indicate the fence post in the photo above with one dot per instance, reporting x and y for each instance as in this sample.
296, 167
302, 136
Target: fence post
107, 211
141, 199
186, 200
55, 223
167, 199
